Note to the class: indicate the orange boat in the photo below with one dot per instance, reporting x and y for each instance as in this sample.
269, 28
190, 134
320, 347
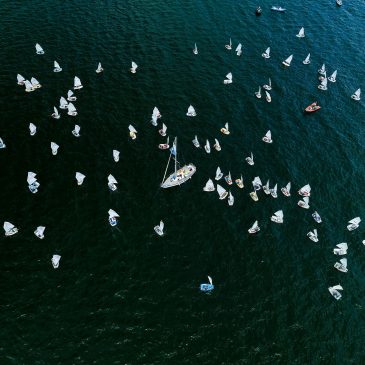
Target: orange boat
312, 108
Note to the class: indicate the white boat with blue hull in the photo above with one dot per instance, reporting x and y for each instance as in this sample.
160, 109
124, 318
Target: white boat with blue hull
113, 215
207, 287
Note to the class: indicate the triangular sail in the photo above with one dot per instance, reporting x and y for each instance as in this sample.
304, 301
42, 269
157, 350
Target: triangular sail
71, 107
279, 214
77, 82
355, 221
337, 287
112, 213
229, 76
220, 190
112, 180
132, 129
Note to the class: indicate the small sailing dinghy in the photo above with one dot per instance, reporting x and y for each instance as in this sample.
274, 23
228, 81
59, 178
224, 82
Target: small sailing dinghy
250, 160
32, 129
256, 183
273, 191
230, 199
196, 142
304, 203
179, 176
254, 196
221, 192
239, 49
63, 103
164, 146
287, 62
239, 182
301, 33
225, 129
55, 114
20, 79
77, 83
2, 144
76, 130
313, 235
159, 229
116, 155
39, 232
266, 187
218, 174
228, 79
35, 83
342, 265
267, 137
155, 115
207, 147
278, 8
255, 228
228, 178
268, 97
317, 217
268, 86
323, 85
39, 49
134, 67
191, 112
339, 2
258, 11
286, 190
312, 108
340, 249
258, 93
28, 86
112, 183
54, 148
79, 178
113, 215
99, 69
322, 70
71, 110
56, 261
132, 132
334, 290
10, 229
354, 224
209, 186
162, 131
307, 60
33, 184
71, 96
332, 78
305, 190
216, 145
207, 287
278, 217
195, 50
266, 54
356, 95
56, 67
229, 46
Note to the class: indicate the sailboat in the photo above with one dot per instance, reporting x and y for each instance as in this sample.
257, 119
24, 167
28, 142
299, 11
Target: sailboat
207, 287
305, 190
339, 2
79, 178
254, 196
134, 67
334, 290
268, 97
239, 49
225, 129
218, 174
113, 215
207, 147
230, 199
307, 60
76, 130
77, 83
342, 265
228, 79
268, 86
286, 190
301, 33
20, 79
266, 54
278, 217
258, 93
54, 148
35, 83
195, 50
267, 137
304, 203
32, 129
71, 110
196, 142
323, 85
179, 176
255, 228
250, 160
63, 103
266, 187
155, 114
28, 86
116, 155
99, 69
56, 67
162, 131
228, 178
354, 224
256, 183
322, 70
313, 235
2, 144
317, 217
39, 232
33, 184
356, 95
229, 46
273, 191
56, 261
340, 249
191, 112
71, 96
112, 182
55, 114
209, 186
287, 62
164, 146
132, 132
39, 49
239, 182
332, 78
159, 229
216, 145
221, 192
9, 229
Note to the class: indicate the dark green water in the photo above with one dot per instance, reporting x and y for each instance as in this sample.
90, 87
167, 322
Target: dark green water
124, 295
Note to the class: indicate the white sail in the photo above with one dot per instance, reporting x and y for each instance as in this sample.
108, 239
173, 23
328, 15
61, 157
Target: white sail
217, 146
338, 287
54, 148
77, 83
341, 249
71, 96
76, 129
228, 78
35, 83
71, 108
80, 178
112, 180
239, 49
156, 112
113, 214
267, 137
322, 70
99, 69
254, 226
191, 111
56, 261
20, 79
218, 173
230, 199
301, 33
28, 86
134, 67
56, 67
279, 214
207, 147
116, 155
332, 78
257, 183
344, 263
2, 144
229, 46
39, 49
323, 84
307, 60
278, 217
132, 129
55, 112
258, 93
221, 192
266, 54
356, 220
8, 227
268, 96
39, 232
209, 186
334, 290
226, 127
356, 95
31, 178
63, 103
164, 128
32, 129
195, 50
305, 190
287, 62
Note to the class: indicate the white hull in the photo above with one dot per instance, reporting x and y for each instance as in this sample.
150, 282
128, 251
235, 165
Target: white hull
182, 175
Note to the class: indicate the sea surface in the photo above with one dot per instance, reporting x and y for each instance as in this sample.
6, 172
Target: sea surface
124, 295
